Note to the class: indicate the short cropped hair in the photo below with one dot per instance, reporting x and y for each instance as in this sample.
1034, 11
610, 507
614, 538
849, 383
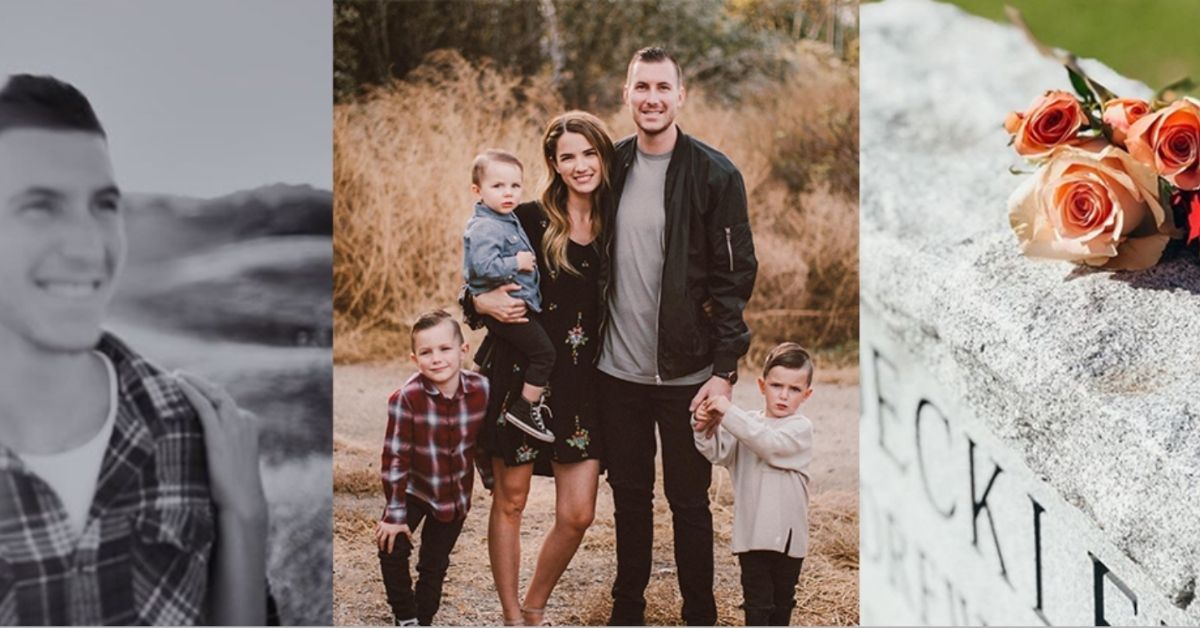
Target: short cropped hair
432, 319
484, 159
791, 356
44, 102
654, 54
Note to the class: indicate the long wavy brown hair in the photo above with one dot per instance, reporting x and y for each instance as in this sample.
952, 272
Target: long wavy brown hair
554, 197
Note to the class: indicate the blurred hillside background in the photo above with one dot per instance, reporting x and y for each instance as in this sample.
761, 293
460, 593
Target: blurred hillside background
421, 87
1153, 41
237, 290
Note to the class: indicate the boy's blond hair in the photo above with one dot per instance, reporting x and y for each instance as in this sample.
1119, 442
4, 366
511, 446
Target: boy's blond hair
482, 160
432, 319
792, 356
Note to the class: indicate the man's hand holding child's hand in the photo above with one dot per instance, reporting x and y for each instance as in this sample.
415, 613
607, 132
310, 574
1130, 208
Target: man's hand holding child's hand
386, 533
717, 407
525, 261
710, 413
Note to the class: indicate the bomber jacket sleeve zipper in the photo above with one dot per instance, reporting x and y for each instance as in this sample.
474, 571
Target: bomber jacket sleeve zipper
729, 246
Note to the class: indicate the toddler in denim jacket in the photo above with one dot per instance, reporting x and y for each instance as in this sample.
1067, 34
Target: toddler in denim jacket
497, 251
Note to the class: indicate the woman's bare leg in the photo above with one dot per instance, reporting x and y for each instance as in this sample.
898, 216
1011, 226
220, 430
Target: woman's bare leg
504, 532
574, 508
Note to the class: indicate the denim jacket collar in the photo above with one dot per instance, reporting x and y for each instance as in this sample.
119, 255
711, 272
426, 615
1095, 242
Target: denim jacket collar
483, 211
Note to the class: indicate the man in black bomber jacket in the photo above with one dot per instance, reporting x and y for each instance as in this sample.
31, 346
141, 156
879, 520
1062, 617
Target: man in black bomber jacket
679, 238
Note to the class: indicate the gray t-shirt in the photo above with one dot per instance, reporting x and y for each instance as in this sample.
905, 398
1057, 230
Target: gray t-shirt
630, 351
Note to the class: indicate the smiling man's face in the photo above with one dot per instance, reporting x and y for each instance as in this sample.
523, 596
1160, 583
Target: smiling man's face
62, 238
654, 95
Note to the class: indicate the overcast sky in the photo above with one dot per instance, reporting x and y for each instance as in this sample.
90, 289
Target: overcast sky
199, 97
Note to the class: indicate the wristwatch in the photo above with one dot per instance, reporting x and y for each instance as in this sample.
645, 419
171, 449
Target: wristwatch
730, 377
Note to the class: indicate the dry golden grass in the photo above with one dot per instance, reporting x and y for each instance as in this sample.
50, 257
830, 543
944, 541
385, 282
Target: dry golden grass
401, 176
402, 159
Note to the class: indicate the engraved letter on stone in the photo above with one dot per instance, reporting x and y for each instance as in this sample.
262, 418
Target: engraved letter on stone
980, 505
924, 408
884, 406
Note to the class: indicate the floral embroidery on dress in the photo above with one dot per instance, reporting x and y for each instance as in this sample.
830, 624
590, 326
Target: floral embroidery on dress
551, 307
500, 420
525, 453
580, 439
576, 338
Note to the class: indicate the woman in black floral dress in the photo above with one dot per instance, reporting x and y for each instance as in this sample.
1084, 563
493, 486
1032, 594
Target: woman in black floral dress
571, 317
564, 228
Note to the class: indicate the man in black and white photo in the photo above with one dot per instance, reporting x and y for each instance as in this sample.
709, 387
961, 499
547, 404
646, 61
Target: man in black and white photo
127, 495
165, 222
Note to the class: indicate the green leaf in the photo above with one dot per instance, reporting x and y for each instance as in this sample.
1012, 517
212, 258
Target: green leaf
1090, 90
1164, 194
1081, 86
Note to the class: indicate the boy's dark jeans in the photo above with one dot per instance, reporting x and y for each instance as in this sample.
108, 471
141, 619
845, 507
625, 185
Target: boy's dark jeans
531, 340
437, 540
629, 413
769, 587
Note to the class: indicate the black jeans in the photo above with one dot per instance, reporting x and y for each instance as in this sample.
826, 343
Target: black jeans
629, 413
769, 587
437, 541
531, 341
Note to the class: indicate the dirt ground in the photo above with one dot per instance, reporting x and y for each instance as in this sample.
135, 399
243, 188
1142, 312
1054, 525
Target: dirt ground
828, 589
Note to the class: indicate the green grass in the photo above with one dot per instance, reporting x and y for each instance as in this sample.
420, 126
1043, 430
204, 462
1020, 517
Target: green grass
1153, 41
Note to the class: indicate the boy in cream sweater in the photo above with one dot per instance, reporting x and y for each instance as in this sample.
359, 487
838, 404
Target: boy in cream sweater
767, 453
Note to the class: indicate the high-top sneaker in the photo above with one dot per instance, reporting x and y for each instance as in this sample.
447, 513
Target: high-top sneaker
527, 417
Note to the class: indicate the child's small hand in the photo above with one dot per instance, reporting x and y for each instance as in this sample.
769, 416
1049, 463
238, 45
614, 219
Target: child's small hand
525, 261
386, 533
718, 406
702, 418
714, 409
706, 420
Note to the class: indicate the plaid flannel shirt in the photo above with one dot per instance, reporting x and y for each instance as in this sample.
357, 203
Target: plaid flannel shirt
429, 445
143, 557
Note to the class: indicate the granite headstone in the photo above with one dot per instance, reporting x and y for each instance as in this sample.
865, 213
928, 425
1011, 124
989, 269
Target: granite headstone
1030, 429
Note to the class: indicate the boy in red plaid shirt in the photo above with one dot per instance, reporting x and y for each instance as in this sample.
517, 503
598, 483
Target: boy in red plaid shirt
433, 423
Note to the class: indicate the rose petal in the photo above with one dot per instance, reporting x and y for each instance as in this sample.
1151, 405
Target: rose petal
1138, 253
1013, 121
1087, 205
1187, 180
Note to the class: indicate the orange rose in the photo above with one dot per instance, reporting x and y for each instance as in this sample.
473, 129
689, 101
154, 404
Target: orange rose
1119, 113
1094, 205
1055, 118
1169, 141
